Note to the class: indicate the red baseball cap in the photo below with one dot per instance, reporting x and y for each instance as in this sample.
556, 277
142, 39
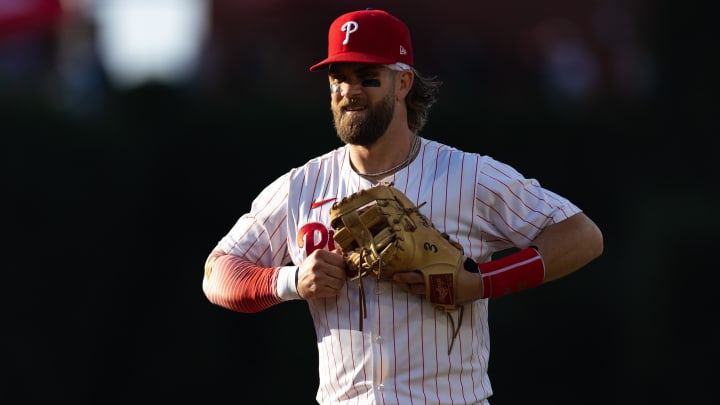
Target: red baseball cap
368, 36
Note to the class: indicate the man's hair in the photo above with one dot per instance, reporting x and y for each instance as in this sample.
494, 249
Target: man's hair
421, 97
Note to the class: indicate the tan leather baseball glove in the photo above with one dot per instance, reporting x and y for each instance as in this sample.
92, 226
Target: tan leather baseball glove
381, 232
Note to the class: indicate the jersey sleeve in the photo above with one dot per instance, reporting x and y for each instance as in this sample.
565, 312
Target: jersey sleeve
260, 235
514, 207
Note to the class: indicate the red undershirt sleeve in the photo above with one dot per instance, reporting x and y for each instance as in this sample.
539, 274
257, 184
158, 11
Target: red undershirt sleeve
239, 285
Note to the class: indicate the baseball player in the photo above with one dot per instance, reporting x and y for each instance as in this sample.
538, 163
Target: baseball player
397, 351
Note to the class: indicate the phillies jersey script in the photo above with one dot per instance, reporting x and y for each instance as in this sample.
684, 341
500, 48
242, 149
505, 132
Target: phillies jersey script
481, 203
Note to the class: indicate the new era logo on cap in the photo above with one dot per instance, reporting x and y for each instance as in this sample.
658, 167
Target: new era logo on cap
368, 36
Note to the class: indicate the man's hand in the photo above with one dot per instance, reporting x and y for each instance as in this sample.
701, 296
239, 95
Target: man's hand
321, 274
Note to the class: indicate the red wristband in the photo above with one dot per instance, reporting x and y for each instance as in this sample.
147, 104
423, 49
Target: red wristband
517, 272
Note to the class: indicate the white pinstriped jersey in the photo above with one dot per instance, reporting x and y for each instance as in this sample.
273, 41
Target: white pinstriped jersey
401, 354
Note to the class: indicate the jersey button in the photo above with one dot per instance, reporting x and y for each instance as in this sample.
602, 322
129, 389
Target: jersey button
379, 340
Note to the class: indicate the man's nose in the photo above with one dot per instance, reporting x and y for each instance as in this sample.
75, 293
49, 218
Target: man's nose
346, 89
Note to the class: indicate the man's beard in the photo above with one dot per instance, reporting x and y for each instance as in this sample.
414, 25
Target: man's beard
366, 128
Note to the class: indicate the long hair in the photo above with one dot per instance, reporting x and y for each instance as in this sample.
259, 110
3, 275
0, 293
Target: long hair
422, 95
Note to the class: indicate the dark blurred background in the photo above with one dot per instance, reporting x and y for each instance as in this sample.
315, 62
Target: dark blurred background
134, 133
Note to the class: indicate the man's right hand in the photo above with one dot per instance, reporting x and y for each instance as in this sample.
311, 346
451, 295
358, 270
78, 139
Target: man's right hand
321, 274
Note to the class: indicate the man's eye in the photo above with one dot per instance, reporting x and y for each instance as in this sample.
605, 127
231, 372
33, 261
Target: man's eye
370, 83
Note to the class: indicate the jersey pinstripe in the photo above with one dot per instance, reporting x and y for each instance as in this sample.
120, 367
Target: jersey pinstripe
400, 355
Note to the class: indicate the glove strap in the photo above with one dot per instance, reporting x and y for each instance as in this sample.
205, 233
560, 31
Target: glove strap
513, 273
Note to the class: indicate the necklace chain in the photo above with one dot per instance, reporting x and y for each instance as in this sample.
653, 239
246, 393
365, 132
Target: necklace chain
414, 149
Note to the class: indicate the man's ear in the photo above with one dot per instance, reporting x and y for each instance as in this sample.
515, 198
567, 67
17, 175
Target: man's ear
404, 84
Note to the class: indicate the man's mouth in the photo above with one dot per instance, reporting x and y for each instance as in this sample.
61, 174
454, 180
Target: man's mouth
353, 108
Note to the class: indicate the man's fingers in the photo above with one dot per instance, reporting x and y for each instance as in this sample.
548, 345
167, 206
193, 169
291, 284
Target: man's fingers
333, 258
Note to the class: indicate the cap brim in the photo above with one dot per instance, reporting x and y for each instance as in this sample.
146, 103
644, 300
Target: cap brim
352, 57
